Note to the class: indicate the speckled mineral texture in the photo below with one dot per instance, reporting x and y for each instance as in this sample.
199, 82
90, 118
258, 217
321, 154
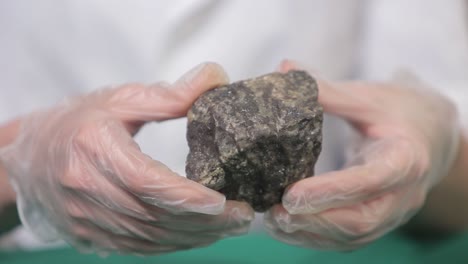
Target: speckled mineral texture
249, 140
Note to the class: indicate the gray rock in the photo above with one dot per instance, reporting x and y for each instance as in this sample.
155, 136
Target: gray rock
251, 139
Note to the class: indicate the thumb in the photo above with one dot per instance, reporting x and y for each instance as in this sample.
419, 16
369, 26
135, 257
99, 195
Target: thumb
139, 103
352, 101
288, 65
337, 98
195, 82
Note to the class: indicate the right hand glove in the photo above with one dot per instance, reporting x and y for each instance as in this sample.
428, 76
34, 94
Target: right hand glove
80, 176
409, 141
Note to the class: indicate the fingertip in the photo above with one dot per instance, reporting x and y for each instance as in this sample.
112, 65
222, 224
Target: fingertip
279, 217
269, 218
217, 72
294, 200
190, 86
213, 204
241, 210
287, 65
203, 77
303, 198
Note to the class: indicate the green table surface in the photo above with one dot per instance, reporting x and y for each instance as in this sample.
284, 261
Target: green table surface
258, 248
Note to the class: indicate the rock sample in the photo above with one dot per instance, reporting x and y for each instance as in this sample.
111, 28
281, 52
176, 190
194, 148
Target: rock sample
249, 140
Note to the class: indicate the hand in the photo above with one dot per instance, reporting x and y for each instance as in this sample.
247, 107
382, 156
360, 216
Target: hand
408, 140
80, 176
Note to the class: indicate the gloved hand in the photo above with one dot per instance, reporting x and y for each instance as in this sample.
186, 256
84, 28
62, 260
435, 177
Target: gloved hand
80, 176
408, 141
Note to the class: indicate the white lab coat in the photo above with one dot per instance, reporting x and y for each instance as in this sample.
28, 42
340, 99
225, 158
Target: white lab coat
53, 49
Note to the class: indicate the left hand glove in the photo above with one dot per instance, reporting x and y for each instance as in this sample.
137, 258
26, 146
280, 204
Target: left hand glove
409, 141
79, 175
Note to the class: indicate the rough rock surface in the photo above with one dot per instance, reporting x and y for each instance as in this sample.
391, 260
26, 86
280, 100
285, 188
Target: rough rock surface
249, 140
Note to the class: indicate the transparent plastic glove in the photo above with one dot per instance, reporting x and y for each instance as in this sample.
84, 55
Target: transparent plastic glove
80, 176
408, 140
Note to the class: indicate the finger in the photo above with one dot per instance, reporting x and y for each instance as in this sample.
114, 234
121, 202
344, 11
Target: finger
236, 217
122, 225
372, 218
87, 184
157, 103
310, 240
289, 65
119, 159
349, 100
110, 198
197, 81
155, 184
336, 98
299, 238
337, 189
97, 239
385, 166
